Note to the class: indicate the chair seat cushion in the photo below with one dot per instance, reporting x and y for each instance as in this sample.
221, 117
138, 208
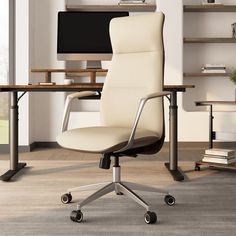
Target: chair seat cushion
104, 139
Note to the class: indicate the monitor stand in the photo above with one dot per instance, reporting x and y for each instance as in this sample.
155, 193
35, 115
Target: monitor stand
94, 65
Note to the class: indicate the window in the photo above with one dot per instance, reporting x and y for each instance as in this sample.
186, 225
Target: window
4, 69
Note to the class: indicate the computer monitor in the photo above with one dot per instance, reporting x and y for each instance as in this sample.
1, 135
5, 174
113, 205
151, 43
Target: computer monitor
85, 36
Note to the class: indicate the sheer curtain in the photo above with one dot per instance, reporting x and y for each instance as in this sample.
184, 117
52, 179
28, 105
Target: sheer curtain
4, 68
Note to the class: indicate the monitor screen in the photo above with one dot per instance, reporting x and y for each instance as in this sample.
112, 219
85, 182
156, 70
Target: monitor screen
85, 32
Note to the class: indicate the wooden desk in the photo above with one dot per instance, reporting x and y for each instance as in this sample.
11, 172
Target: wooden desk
15, 166
75, 87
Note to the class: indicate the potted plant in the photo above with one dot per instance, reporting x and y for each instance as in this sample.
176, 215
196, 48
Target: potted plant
232, 77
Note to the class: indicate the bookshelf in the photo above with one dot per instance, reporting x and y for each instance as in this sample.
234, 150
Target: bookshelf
102, 5
207, 40
210, 8
202, 75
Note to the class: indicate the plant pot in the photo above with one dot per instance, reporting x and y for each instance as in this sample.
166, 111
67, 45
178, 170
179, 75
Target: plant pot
234, 30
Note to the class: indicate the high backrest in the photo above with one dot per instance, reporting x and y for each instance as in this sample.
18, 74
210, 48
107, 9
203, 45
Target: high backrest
136, 70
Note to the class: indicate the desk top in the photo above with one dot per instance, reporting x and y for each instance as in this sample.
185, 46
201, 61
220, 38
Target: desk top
48, 88
75, 87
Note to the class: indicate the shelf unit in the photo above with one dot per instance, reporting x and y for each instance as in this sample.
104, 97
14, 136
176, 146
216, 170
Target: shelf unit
210, 8
130, 8
76, 5
72, 73
209, 40
215, 165
191, 75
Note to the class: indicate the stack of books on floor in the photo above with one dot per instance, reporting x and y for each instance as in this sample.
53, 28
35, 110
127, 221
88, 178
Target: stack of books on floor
219, 156
211, 68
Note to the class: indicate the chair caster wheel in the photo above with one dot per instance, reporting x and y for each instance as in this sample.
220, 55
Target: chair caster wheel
150, 217
76, 216
66, 198
120, 194
197, 168
169, 200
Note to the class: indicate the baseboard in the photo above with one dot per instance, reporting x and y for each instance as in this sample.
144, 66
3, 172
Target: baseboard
201, 145
4, 148
43, 145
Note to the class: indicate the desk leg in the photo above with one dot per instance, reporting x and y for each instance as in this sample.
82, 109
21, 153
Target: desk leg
172, 166
15, 166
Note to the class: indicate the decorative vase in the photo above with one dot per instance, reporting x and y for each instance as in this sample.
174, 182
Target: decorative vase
234, 30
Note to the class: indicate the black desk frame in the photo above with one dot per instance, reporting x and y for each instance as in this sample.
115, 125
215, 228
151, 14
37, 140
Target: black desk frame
16, 166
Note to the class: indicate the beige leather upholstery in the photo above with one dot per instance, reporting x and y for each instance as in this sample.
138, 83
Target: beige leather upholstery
103, 139
136, 70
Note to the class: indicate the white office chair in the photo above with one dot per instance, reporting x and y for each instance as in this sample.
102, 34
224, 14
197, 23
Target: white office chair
131, 109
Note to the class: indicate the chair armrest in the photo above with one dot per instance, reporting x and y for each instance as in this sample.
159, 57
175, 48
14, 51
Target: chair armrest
138, 115
156, 95
69, 99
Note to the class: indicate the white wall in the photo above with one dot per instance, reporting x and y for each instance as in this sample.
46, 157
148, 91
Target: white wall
46, 109
22, 66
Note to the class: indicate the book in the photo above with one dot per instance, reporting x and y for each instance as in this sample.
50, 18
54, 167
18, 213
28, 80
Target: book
220, 157
214, 66
131, 2
220, 152
214, 71
47, 83
219, 160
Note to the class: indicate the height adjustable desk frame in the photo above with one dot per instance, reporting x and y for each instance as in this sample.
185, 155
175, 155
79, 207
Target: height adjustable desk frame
16, 166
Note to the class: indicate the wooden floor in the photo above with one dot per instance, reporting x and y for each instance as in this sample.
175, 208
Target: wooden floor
30, 204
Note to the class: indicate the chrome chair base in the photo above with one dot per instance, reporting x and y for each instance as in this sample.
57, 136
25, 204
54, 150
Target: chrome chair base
120, 188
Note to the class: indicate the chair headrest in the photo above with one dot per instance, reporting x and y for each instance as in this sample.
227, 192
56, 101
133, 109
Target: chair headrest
138, 33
